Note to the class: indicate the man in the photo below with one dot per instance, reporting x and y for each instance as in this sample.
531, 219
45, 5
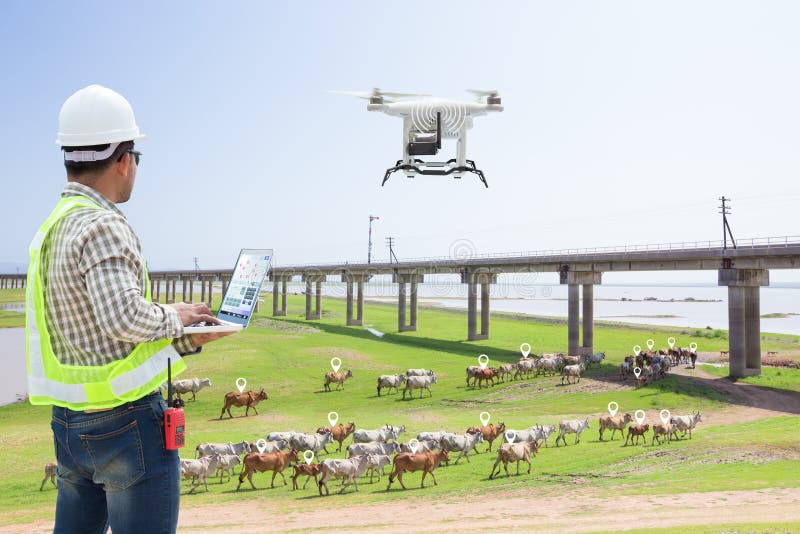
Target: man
97, 347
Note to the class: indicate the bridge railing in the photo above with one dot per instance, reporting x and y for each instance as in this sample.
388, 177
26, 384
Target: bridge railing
655, 248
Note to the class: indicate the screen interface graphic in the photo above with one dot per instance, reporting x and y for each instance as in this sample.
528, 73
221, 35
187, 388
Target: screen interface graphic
245, 285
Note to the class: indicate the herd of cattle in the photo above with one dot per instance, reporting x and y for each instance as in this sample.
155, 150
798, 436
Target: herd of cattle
373, 450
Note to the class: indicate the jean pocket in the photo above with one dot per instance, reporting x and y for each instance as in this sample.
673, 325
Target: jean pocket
117, 456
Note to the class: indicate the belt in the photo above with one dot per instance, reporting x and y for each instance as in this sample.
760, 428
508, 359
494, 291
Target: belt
107, 409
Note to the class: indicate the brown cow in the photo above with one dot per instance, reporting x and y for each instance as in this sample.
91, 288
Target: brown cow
269, 461
338, 377
248, 398
310, 470
488, 374
422, 461
514, 452
49, 472
339, 433
636, 431
490, 433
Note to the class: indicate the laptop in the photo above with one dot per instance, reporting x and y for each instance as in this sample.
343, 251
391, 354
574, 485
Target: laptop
242, 294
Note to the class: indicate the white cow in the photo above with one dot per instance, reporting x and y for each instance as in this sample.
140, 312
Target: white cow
389, 382
310, 442
190, 385
226, 465
200, 468
385, 433
686, 423
465, 443
419, 382
574, 426
349, 469
207, 449
419, 372
373, 447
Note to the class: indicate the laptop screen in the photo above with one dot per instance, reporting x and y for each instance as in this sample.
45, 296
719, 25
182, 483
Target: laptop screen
245, 285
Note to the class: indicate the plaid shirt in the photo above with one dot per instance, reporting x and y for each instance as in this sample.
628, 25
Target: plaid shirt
94, 287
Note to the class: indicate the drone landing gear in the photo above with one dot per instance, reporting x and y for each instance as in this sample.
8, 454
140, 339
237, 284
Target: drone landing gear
441, 171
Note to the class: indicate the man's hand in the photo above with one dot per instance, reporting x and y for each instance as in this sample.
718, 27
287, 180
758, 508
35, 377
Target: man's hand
201, 339
193, 313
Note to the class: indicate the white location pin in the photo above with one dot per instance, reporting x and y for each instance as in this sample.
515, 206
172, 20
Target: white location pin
639, 416
483, 361
637, 371
650, 344
693, 346
333, 418
510, 436
308, 456
336, 363
413, 444
665, 416
241, 383
671, 341
525, 349
613, 408
485, 416
261, 445
637, 349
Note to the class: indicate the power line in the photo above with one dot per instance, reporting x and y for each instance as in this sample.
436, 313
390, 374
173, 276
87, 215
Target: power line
390, 242
724, 209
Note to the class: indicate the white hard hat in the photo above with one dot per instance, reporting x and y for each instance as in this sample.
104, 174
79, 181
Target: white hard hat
96, 115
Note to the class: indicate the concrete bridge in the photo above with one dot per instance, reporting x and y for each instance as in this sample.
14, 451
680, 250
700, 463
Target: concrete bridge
743, 270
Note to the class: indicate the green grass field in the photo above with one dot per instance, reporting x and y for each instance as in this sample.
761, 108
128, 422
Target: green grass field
289, 356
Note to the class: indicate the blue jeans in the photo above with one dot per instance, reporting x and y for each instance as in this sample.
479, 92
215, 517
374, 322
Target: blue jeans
113, 470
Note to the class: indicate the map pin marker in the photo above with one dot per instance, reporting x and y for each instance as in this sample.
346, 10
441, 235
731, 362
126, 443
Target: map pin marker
510, 436
308, 456
637, 349
336, 363
333, 417
671, 341
241, 383
413, 445
525, 349
261, 445
637, 371
693, 346
639, 416
485, 418
665, 416
483, 361
650, 344
613, 408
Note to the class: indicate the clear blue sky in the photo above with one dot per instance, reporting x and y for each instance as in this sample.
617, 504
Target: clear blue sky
623, 123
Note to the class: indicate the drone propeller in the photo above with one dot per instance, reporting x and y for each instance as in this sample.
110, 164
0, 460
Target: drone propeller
377, 93
480, 93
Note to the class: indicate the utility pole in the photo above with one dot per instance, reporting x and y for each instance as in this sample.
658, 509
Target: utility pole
196, 268
724, 209
390, 242
369, 249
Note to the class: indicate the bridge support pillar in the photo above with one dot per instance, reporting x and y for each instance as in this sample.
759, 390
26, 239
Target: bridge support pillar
473, 279
279, 293
412, 280
356, 281
744, 319
317, 281
576, 279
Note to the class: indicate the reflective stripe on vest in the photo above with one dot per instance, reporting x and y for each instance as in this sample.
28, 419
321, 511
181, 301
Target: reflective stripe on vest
80, 387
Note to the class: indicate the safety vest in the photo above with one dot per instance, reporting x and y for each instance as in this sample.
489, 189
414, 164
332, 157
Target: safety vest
84, 387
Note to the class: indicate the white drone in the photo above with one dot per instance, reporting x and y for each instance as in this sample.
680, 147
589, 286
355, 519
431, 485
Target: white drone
426, 121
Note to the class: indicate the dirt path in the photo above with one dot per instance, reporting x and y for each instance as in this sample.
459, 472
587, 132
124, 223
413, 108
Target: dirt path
517, 511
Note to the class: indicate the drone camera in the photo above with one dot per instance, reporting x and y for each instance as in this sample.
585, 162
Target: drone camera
426, 143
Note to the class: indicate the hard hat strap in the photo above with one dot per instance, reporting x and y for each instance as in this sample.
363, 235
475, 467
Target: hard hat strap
90, 155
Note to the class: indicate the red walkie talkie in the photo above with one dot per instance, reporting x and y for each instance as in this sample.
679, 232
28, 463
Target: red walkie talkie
174, 418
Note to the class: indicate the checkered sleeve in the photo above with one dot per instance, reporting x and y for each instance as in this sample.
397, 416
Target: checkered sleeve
112, 266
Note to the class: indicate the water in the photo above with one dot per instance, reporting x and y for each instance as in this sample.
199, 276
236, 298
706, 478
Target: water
13, 379
672, 306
